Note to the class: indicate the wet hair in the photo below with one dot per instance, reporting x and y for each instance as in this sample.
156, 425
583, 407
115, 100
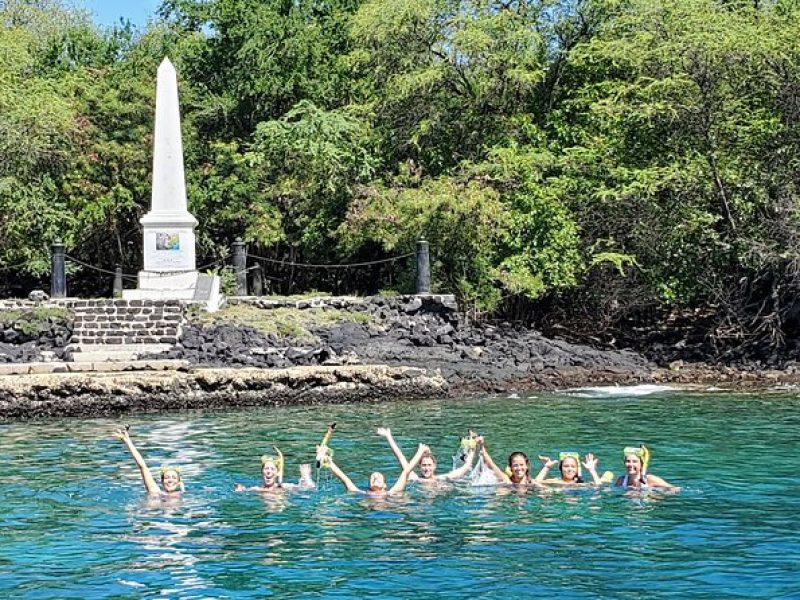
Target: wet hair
177, 471
513, 455
375, 473
642, 472
430, 454
577, 478
167, 470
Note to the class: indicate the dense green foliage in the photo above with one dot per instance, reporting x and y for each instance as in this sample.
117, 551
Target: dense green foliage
608, 156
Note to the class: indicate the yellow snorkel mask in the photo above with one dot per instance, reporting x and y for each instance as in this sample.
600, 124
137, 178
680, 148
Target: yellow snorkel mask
324, 457
468, 443
277, 459
642, 452
575, 455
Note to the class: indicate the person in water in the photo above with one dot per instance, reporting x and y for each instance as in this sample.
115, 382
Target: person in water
519, 467
427, 464
171, 480
377, 482
272, 476
569, 466
636, 476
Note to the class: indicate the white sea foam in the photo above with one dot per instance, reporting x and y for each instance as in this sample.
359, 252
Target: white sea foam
612, 391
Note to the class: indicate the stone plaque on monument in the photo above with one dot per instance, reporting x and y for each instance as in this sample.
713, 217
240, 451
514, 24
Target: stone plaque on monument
166, 249
204, 288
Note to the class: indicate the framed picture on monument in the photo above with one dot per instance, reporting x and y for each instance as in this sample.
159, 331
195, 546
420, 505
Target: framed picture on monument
168, 241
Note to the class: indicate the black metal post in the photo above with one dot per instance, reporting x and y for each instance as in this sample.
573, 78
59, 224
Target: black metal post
423, 268
117, 292
239, 259
258, 281
58, 276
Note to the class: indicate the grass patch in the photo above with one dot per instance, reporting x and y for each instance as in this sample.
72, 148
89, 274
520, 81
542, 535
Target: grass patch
284, 322
303, 296
39, 313
29, 321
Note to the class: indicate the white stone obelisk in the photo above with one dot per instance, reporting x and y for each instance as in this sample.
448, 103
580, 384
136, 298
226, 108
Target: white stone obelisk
169, 226
169, 271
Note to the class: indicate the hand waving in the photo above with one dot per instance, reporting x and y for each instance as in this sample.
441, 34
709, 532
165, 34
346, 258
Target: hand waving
547, 462
590, 461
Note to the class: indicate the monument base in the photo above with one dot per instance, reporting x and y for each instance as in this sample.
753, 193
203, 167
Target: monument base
189, 286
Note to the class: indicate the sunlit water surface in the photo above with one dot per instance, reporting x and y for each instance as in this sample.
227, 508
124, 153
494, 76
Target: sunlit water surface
76, 524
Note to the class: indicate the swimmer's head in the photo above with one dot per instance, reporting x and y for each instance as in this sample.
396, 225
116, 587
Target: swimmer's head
376, 482
269, 471
271, 467
171, 479
636, 459
570, 466
520, 466
427, 465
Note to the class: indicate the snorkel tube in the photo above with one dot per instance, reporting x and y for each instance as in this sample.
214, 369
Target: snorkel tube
323, 452
279, 464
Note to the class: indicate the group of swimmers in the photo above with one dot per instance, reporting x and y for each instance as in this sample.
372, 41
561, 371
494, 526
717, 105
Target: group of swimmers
517, 473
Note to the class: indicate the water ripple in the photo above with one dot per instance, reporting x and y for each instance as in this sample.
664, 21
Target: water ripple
76, 524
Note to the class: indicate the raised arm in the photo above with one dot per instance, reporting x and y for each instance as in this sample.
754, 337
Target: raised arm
348, 483
387, 433
401, 482
590, 462
498, 472
547, 464
147, 477
463, 469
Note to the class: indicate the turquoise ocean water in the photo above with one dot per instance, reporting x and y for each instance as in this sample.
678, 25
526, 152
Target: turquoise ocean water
75, 522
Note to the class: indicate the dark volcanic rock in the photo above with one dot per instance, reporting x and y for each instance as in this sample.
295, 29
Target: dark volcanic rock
416, 332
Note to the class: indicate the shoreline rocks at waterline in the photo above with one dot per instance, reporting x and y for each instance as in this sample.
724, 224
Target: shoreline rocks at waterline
106, 394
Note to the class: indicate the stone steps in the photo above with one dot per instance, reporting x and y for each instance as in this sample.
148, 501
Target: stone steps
123, 330
109, 353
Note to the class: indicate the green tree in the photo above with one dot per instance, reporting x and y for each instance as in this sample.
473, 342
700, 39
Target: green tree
681, 145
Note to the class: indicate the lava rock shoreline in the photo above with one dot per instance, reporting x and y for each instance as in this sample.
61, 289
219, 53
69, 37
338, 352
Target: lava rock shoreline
410, 331
372, 349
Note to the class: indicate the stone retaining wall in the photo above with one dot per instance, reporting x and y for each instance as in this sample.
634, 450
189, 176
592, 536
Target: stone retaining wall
126, 321
109, 322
